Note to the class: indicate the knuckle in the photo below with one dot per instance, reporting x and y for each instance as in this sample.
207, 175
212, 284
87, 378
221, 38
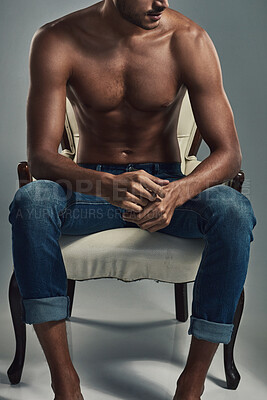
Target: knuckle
143, 201
125, 205
155, 215
157, 210
164, 218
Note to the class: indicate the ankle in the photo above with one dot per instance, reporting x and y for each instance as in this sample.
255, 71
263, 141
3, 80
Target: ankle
69, 396
68, 393
66, 382
189, 387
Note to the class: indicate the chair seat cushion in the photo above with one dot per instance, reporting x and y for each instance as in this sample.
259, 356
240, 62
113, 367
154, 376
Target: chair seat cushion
131, 254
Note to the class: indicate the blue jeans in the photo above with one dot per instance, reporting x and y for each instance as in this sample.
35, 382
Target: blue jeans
43, 210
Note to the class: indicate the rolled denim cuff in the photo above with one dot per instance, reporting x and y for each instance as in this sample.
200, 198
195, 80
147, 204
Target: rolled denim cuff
211, 331
46, 309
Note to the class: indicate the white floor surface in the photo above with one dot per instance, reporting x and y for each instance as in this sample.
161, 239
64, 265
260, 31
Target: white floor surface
126, 344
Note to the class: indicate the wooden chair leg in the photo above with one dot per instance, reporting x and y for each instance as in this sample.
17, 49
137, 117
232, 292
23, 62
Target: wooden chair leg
71, 289
231, 372
15, 301
181, 302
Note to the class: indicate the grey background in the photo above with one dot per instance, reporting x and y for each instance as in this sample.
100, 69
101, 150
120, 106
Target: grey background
238, 30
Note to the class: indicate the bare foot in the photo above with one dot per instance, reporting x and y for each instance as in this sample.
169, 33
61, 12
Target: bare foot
186, 391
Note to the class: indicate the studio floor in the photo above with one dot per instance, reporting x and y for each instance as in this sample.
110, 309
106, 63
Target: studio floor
126, 344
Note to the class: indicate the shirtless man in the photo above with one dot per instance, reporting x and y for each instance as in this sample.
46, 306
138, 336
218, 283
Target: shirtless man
125, 66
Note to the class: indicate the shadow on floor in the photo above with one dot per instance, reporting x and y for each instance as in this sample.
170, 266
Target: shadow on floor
219, 382
4, 379
117, 351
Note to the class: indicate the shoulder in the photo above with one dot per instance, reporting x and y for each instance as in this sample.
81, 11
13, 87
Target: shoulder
187, 35
63, 35
71, 25
51, 37
52, 53
53, 46
49, 54
193, 50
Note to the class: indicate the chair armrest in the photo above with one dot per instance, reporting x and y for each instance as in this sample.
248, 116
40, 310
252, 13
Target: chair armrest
237, 182
24, 173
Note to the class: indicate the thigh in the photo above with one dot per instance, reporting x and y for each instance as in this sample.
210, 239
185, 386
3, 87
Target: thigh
221, 201
187, 220
86, 214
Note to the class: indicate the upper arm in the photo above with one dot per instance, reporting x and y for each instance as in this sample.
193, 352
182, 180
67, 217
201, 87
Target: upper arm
201, 72
49, 72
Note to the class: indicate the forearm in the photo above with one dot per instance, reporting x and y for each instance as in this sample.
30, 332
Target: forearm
217, 168
68, 174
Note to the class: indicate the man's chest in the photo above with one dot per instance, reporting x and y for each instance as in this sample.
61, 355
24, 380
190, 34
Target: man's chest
146, 78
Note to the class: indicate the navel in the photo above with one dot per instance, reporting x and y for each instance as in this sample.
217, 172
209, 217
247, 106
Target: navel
126, 152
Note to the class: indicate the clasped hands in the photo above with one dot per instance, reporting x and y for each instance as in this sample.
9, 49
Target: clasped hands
150, 201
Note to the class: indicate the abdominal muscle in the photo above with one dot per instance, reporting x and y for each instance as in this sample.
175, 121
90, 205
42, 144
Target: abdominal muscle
106, 152
148, 140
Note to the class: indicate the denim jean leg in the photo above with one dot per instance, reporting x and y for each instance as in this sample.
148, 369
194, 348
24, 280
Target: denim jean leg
223, 269
40, 212
38, 264
224, 218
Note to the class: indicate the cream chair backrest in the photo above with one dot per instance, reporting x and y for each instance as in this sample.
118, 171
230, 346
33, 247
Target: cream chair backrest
185, 131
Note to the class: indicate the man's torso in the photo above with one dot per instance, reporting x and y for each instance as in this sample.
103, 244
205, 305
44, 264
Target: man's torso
126, 91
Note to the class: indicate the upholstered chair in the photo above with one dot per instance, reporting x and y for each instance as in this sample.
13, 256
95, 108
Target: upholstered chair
130, 254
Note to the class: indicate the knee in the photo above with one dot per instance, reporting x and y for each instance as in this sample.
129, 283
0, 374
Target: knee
41, 193
232, 208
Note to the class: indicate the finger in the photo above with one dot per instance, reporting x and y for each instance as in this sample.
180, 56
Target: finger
147, 214
147, 227
144, 192
138, 200
156, 228
153, 225
132, 207
156, 179
151, 185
